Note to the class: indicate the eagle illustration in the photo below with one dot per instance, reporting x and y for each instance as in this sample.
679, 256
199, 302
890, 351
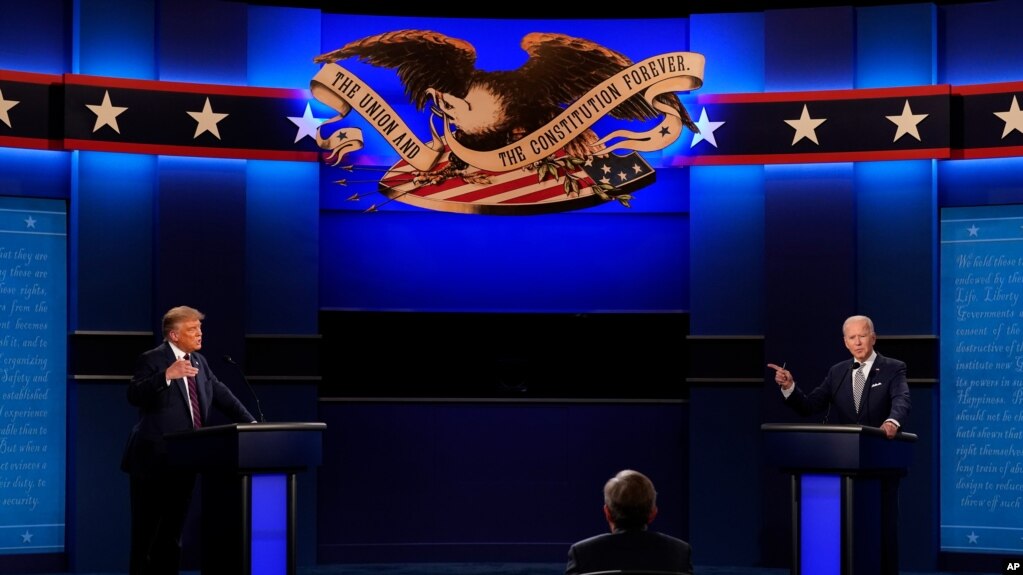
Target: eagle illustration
493, 109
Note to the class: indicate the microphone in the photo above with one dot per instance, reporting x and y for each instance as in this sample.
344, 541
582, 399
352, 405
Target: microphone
855, 365
228, 359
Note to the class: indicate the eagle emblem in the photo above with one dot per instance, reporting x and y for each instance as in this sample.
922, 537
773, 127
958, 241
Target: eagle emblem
535, 120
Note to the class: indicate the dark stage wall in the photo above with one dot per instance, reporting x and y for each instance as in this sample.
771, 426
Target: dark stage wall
739, 265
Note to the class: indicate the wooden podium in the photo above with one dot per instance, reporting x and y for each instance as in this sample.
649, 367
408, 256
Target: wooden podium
248, 491
845, 505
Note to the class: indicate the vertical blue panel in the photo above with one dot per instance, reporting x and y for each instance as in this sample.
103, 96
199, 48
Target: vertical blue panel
269, 525
727, 250
896, 46
34, 36
734, 47
431, 261
282, 246
980, 182
112, 220
38, 173
897, 206
810, 242
981, 42
116, 38
282, 44
33, 374
203, 42
734, 477
820, 524
200, 234
809, 49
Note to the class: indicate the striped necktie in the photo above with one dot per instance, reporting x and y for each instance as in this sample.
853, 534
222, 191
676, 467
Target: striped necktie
193, 398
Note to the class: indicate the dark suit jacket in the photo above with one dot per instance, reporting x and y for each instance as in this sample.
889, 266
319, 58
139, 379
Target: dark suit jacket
886, 394
164, 408
630, 549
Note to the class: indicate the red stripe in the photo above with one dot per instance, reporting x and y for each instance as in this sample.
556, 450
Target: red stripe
207, 89
923, 154
198, 151
978, 153
999, 88
508, 186
545, 194
29, 77
863, 94
30, 143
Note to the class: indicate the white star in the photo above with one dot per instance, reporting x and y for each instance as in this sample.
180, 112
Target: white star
307, 124
605, 168
605, 180
207, 120
907, 123
589, 161
1013, 118
106, 113
973, 231
706, 130
5, 106
26, 537
30, 222
973, 537
623, 176
636, 168
805, 127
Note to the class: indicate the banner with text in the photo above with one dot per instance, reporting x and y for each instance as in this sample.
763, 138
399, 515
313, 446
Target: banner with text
982, 379
33, 374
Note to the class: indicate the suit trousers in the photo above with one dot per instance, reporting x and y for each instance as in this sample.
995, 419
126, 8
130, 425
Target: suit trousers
159, 507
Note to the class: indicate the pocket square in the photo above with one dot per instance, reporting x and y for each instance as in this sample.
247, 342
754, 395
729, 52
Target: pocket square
877, 384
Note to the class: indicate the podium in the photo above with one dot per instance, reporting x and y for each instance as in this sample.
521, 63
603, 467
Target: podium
845, 482
248, 491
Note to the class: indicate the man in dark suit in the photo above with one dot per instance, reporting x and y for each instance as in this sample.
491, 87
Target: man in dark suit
173, 388
869, 389
630, 504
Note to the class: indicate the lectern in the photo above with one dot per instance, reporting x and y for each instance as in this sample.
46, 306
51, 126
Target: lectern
248, 491
844, 495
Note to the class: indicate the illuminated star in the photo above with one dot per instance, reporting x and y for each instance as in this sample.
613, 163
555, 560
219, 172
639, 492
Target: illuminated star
5, 106
706, 130
623, 176
805, 127
1013, 118
973, 537
30, 222
606, 169
973, 231
106, 113
26, 537
306, 123
907, 123
207, 120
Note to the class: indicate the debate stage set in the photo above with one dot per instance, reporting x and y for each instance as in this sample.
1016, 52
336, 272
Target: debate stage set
468, 266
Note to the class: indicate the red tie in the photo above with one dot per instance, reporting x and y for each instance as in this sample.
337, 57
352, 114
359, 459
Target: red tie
193, 398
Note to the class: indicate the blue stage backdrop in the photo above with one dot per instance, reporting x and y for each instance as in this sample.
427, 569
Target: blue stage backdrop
982, 379
33, 374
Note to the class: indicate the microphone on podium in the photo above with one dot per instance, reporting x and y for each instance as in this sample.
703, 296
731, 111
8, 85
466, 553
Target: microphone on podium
228, 359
